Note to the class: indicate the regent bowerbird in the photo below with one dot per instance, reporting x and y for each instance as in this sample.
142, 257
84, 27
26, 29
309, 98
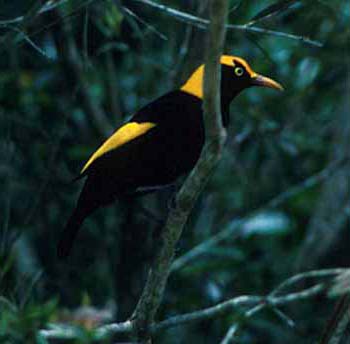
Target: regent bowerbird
160, 143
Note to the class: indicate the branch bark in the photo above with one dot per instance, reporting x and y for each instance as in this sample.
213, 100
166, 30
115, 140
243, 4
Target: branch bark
285, 293
203, 24
215, 137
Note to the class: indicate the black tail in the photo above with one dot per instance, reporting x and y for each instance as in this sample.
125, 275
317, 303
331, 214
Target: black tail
69, 234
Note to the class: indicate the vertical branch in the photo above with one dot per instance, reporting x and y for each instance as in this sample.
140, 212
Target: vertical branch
152, 295
212, 74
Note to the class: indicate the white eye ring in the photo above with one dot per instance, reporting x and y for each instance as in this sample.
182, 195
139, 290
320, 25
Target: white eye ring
239, 71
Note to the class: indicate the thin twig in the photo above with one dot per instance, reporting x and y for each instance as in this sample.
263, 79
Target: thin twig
308, 183
49, 6
273, 301
125, 327
26, 38
16, 33
231, 231
254, 303
285, 318
235, 228
307, 275
150, 27
230, 335
209, 313
69, 332
203, 24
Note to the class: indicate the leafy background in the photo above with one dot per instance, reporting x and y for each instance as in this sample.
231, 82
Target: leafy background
71, 75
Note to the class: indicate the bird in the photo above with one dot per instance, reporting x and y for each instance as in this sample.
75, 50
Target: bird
161, 142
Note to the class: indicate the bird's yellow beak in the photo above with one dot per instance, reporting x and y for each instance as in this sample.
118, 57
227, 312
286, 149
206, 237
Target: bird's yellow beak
264, 81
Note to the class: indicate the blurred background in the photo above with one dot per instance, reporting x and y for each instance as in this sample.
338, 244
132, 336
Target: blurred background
279, 200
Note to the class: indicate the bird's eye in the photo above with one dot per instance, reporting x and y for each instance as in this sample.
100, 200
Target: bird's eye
239, 71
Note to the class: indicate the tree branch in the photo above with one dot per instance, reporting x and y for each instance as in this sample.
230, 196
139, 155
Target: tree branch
215, 136
254, 303
49, 6
237, 227
203, 24
209, 313
274, 301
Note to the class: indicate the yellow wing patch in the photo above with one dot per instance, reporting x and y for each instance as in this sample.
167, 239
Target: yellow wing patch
123, 135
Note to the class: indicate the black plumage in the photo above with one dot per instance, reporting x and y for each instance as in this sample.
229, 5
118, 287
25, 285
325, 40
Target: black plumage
161, 142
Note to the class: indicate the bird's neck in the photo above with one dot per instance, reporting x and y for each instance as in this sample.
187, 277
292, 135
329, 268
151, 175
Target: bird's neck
194, 86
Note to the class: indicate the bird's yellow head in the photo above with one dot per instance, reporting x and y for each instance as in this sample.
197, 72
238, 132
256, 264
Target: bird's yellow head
236, 76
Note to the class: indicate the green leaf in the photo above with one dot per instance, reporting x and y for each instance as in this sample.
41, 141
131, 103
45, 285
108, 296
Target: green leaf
268, 223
